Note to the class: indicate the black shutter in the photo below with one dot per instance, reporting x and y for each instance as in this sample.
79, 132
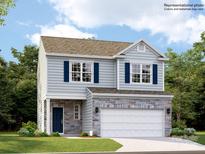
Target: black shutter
96, 72
127, 72
155, 73
66, 71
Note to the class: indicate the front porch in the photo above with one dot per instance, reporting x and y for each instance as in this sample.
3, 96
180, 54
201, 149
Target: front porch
63, 116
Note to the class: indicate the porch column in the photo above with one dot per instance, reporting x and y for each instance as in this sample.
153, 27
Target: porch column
42, 116
48, 118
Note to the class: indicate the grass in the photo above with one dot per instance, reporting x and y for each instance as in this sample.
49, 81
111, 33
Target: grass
10, 142
201, 136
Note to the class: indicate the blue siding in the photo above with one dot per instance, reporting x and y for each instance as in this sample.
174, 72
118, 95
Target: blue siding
58, 88
148, 57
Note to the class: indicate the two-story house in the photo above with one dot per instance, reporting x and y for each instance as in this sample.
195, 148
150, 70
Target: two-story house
105, 88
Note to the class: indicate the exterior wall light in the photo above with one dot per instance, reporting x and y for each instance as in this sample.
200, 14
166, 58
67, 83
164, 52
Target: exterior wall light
168, 110
96, 110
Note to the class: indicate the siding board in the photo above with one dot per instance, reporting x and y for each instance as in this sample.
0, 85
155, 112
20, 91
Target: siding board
87, 115
57, 86
147, 57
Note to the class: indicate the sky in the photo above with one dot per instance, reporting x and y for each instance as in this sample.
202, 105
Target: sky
117, 20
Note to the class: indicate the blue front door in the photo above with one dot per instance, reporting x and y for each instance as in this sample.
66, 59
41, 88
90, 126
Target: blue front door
58, 119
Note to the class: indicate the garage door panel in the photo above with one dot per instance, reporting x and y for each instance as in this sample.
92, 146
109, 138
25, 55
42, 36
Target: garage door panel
131, 126
125, 133
132, 123
132, 119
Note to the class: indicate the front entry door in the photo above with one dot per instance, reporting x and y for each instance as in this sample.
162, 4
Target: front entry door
58, 119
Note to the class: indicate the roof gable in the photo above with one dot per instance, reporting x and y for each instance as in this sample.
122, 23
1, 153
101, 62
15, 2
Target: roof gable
134, 45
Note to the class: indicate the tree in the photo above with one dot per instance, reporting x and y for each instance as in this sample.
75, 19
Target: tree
6, 103
23, 76
185, 79
199, 107
4, 7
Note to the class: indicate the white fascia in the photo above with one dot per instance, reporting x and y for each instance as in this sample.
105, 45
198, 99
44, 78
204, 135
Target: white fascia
79, 56
132, 95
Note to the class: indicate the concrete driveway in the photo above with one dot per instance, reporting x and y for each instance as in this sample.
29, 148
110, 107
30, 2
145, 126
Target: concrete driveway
157, 144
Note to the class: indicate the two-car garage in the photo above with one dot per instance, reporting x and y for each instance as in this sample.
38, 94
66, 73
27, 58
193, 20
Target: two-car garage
132, 123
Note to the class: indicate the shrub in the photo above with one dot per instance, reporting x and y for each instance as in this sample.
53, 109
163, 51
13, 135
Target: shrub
28, 129
39, 133
189, 131
177, 132
183, 132
55, 134
44, 134
25, 132
29, 124
83, 134
179, 124
31, 130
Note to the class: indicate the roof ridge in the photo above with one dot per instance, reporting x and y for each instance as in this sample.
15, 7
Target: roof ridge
87, 39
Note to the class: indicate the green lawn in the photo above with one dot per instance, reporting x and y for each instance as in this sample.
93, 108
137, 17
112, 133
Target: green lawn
11, 143
201, 136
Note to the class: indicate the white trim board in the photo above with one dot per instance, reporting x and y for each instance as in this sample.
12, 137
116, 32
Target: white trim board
74, 97
131, 95
78, 55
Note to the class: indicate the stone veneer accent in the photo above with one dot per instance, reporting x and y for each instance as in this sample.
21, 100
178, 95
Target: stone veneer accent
131, 103
71, 126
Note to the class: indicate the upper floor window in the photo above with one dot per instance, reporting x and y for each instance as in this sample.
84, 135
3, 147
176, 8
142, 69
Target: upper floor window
76, 71
86, 73
81, 72
146, 73
141, 73
136, 73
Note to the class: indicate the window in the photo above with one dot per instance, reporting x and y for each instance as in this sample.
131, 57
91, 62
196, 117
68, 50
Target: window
87, 72
81, 72
77, 112
136, 73
141, 73
76, 73
146, 74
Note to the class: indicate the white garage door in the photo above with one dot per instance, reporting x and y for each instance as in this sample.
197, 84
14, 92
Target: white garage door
132, 123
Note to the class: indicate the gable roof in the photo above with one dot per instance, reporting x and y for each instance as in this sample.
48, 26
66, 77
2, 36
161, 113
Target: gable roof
89, 47
74, 46
155, 51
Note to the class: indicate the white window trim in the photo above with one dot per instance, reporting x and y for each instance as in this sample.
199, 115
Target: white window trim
141, 73
75, 112
81, 72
